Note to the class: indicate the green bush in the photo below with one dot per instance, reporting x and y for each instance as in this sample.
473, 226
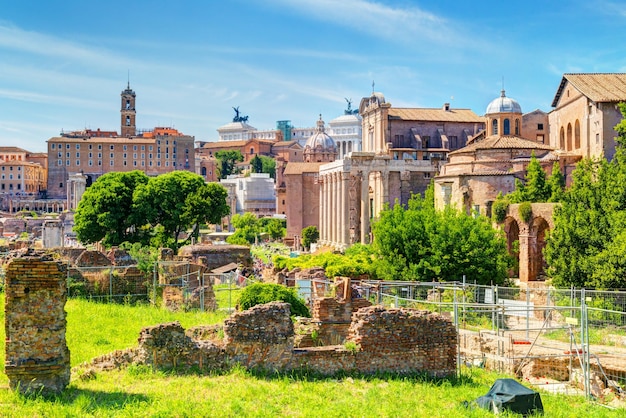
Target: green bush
499, 209
526, 211
260, 293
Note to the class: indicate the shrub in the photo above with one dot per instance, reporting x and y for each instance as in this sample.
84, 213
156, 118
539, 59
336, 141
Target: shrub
260, 293
499, 209
525, 211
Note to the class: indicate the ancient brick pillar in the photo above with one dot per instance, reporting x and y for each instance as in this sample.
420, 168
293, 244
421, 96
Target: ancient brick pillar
37, 357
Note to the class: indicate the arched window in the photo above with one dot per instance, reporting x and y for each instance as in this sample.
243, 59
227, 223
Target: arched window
562, 139
127, 120
507, 127
577, 134
251, 151
494, 127
203, 171
516, 126
569, 137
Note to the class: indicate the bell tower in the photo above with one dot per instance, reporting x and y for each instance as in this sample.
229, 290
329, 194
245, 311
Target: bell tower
128, 113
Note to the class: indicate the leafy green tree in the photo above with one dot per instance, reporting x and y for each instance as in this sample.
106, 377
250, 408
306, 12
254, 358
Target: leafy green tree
556, 184
276, 228
310, 235
247, 229
268, 166
227, 161
534, 188
418, 243
106, 213
256, 164
587, 247
179, 201
260, 293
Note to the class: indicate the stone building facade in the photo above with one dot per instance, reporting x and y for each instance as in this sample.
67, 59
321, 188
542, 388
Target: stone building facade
402, 150
94, 153
586, 112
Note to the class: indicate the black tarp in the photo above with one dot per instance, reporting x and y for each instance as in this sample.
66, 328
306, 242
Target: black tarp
510, 395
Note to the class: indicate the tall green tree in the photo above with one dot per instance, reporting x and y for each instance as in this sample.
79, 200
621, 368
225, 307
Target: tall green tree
268, 166
310, 235
418, 243
227, 161
534, 188
105, 212
587, 247
556, 184
177, 202
256, 164
247, 229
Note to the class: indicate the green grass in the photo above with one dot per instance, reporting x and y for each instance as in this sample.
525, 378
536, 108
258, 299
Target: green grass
95, 329
226, 296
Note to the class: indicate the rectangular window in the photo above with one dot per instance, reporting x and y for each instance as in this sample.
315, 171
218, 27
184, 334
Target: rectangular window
124, 147
134, 147
111, 163
78, 155
143, 147
124, 163
77, 146
53, 146
111, 155
135, 163
67, 146
77, 162
67, 154
143, 163
60, 162
112, 147
540, 126
99, 146
99, 162
61, 185
90, 163
89, 146
67, 162
99, 155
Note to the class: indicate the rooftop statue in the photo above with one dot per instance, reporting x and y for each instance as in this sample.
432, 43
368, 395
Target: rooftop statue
238, 118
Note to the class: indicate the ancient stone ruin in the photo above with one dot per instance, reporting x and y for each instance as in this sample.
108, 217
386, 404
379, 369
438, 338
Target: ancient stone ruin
402, 341
37, 357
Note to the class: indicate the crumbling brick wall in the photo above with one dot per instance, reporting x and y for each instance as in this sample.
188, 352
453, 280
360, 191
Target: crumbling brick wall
403, 341
260, 337
37, 357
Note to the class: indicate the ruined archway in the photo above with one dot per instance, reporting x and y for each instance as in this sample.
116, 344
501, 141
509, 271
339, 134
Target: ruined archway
511, 229
539, 228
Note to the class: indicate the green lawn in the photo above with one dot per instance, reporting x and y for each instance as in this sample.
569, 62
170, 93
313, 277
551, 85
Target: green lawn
95, 329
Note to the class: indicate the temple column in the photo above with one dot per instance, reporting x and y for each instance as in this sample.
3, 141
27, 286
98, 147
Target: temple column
345, 210
365, 208
322, 207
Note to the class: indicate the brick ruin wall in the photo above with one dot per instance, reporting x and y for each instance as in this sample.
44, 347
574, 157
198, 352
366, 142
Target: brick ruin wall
399, 340
37, 357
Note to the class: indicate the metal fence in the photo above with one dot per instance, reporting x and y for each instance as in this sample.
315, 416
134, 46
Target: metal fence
567, 341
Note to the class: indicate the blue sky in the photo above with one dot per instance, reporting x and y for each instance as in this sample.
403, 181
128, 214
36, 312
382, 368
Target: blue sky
64, 63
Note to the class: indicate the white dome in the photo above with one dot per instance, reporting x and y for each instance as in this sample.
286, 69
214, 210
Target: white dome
503, 104
320, 139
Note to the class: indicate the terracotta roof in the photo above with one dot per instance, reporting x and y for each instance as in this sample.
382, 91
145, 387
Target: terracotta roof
225, 144
282, 144
598, 87
299, 168
435, 115
12, 149
502, 142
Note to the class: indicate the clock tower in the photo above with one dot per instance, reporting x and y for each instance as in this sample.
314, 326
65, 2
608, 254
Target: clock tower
128, 113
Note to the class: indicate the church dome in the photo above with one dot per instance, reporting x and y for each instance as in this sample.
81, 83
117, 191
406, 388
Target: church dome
503, 104
320, 140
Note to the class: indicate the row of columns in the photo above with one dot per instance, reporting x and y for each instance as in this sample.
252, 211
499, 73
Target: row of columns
336, 206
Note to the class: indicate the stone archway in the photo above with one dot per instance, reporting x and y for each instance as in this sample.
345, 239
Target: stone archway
538, 230
532, 238
511, 229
